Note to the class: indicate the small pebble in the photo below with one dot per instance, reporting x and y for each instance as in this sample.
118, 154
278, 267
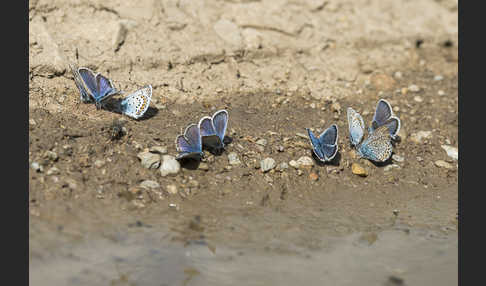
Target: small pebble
169, 165
280, 148
414, 88
261, 142
443, 164
397, 158
451, 151
441, 93
158, 149
336, 107
149, 184
172, 189
233, 159
404, 91
438, 78
294, 164
149, 160
53, 171
203, 166
267, 164
99, 163
37, 167
398, 75
418, 98
418, 137
358, 170
305, 162
390, 167
32, 122
300, 172
51, 155
313, 176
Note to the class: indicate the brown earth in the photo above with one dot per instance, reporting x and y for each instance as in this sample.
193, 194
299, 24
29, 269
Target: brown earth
277, 67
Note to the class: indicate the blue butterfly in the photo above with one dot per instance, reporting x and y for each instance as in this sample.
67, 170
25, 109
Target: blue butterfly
213, 129
377, 146
384, 115
85, 96
136, 104
189, 145
93, 86
325, 147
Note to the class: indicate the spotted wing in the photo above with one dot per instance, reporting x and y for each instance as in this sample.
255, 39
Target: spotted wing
356, 126
137, 103
377, 147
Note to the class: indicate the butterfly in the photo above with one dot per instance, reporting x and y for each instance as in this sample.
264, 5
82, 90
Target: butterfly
377, 146
85, 96
189, 144
325, 147
136, 104
93, 86
213, 129
384, 115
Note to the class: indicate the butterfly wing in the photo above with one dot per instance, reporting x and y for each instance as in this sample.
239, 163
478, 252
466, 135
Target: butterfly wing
328, 142
316, 145
105, 88
136, 104
377, 147
356, 126
89, 80
220, 122
384, 116
85, 96
208, 134
189, 144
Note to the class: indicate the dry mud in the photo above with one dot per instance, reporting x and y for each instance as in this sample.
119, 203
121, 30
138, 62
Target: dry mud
277, 67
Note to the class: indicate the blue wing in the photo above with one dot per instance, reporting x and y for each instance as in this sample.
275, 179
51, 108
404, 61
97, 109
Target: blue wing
189, 144
208, 134
384, 116
328, 142
220, 122
316, 145
356, 126
136, 104
383, 112
206, 126
105, 88
329, 136
85, 95
89, 80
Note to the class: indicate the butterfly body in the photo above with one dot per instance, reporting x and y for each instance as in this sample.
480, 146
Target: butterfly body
213, 129
325, 146
136, 104
189, 144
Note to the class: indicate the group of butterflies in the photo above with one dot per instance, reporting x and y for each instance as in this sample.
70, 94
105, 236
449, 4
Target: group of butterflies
376, 147
97, 88
210, 131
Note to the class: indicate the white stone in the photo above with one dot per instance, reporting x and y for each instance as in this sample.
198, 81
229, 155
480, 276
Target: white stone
169, 165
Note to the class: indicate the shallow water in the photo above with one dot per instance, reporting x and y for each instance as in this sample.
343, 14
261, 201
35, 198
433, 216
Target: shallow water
146, 257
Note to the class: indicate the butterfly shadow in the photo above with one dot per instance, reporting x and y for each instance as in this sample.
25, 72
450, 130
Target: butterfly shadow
333, 162
190, 163
114, 105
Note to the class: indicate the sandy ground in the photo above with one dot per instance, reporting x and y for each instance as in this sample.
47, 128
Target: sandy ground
277, 67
